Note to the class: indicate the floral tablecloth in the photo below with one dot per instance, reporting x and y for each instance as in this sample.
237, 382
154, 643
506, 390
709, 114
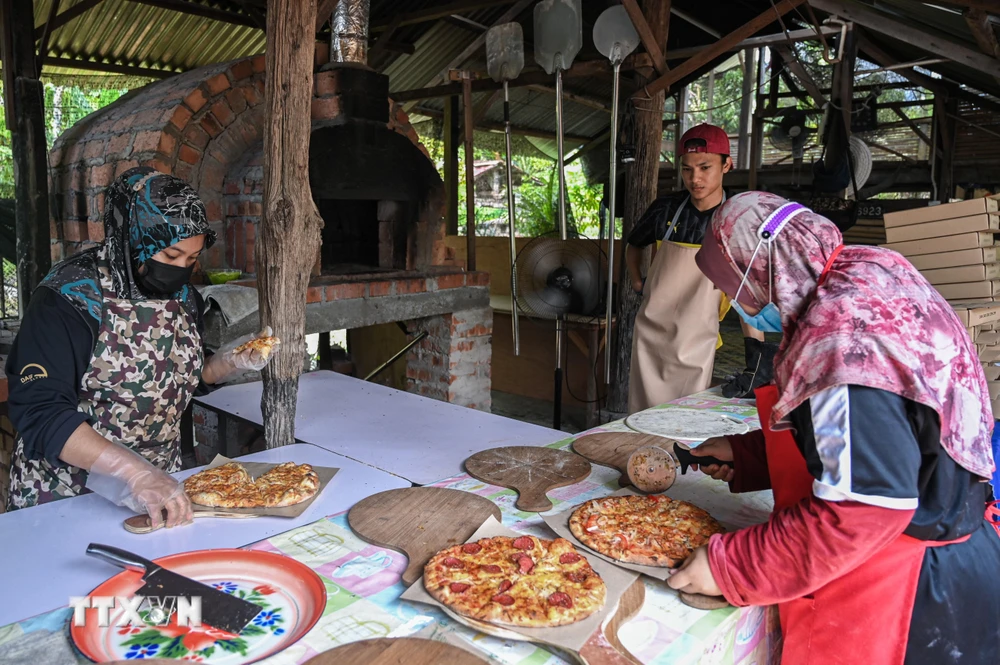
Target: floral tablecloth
363, 582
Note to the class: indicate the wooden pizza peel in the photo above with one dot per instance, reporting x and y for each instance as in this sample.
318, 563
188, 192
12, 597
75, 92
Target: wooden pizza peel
419, 522
530, 471
397, 651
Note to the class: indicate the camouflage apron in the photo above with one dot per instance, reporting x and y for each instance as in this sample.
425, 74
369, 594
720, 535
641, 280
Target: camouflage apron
146, 365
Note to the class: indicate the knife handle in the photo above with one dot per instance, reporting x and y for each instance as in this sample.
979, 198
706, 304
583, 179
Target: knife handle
686, 458
126, 560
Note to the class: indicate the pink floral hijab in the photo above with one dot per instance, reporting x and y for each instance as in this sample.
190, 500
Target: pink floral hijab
872, 320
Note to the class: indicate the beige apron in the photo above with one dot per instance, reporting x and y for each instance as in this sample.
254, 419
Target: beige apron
676, 329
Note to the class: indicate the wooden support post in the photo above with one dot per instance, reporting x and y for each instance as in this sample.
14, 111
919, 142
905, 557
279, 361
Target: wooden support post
640, 191
24, 102
746, 108
450, 132
944, 108
470, 173
757, 130
290, 227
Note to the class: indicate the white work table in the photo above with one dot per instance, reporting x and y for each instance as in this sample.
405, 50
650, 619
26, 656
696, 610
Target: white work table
418, 438
44, 558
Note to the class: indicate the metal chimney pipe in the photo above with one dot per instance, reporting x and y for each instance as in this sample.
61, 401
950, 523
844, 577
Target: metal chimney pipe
349, 41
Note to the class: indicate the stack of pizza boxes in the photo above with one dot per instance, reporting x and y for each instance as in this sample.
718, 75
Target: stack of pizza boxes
955, 246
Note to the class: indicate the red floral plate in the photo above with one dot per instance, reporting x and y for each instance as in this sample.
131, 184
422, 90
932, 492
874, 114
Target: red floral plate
292, 594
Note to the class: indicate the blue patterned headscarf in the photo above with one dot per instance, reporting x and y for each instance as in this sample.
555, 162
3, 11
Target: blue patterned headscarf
145, 212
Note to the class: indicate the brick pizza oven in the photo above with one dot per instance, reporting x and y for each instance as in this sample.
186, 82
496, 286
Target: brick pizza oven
382, 258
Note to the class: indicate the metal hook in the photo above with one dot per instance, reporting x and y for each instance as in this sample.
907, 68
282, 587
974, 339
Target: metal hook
840, 45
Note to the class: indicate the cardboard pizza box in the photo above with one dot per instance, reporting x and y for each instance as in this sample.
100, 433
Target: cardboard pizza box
982, 289
986, 204
987, 271
963, 257
944, 227
994, 388
951, 243
989, 338
990, 354
992, 371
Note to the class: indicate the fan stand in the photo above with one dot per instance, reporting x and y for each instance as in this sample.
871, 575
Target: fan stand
557, 388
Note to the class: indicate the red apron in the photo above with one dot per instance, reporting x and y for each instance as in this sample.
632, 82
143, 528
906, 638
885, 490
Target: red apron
861, 617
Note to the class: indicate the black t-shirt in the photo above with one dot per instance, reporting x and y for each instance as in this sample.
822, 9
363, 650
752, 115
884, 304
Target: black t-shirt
872, 446
653, 224
45, 370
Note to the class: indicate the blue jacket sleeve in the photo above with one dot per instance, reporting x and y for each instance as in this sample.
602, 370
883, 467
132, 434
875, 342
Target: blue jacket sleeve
45, 368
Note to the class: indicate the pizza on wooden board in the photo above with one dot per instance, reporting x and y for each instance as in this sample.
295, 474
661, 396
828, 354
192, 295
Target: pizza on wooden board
230, 485
650, 530
524, 581
262, 345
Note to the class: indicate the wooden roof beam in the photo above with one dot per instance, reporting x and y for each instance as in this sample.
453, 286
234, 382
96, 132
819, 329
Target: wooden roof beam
499, 127
194, 9
992, 6
646, 35
440, 12
889, 26
724, 45
982, 29
793, 65
107, 67
574, 97
65, 17
476, 43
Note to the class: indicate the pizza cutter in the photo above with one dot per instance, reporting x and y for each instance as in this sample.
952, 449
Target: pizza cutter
653, 469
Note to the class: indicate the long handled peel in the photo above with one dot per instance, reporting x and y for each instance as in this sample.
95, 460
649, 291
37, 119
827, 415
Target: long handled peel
504, 61
615, 37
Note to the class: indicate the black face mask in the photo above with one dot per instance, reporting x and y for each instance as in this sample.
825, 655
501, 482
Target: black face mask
164, 279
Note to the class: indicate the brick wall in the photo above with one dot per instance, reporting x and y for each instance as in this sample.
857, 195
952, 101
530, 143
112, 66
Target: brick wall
453, 363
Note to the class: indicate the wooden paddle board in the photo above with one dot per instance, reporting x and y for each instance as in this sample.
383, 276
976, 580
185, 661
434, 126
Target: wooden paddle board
614, 448
397, 651
530, 471
419, 522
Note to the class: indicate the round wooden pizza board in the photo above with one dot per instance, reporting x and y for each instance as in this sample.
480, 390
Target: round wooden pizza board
396, 650
531, 471
377, 651
420, 522
614, 448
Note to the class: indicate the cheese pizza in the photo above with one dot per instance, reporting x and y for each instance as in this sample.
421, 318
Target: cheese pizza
524, 581
263, 345
231, 486
650, 530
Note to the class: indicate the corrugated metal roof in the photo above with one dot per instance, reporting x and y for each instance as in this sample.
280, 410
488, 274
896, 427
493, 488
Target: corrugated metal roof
132, 33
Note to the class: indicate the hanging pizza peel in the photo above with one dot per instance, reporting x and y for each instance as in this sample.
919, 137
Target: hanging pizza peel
615, 37
504, 61
558, 38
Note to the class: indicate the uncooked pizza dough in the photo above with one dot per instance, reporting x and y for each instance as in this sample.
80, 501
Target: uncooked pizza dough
689, 424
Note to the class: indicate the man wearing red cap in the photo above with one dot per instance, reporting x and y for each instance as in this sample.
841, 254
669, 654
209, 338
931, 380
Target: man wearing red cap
677, 327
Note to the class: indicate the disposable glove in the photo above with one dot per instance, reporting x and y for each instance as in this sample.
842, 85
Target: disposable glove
226, 363
126, 478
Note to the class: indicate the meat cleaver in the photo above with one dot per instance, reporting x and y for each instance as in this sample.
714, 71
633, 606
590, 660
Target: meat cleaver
218, 609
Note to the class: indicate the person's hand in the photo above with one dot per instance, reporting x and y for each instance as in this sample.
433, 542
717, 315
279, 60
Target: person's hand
225, 363
695, 575
126, 478
155, 490
720, 448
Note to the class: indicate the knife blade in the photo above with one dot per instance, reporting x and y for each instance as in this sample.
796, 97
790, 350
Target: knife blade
218, 609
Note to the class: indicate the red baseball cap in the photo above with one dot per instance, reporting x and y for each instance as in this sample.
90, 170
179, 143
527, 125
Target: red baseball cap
715, 139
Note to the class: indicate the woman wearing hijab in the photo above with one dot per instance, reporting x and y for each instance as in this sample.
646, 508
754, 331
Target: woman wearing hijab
109, 355
875, 441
